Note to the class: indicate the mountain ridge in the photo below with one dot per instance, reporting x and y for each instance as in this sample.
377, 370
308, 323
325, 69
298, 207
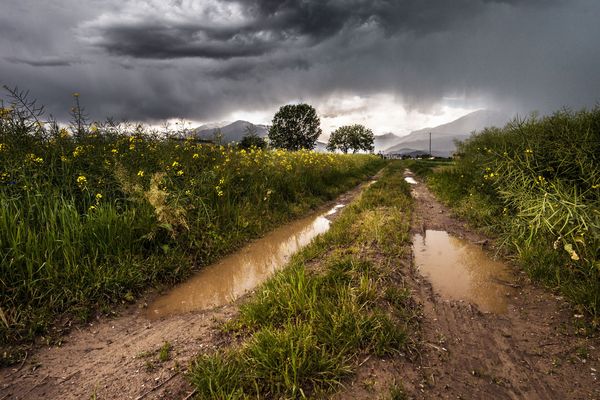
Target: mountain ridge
444, 136
233, 132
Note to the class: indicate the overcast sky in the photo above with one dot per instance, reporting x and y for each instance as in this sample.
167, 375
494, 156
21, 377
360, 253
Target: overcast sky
394, 65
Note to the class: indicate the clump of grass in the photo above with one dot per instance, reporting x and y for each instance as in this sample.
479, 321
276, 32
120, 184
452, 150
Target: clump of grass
397, 392
93, 214
306, 327
164, 354
536, 183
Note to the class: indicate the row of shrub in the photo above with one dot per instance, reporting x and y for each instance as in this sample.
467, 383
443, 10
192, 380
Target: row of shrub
92, 214
536, 183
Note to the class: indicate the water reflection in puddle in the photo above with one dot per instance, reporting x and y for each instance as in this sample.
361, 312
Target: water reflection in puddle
242, 271
460, 270
334, 209
410, 180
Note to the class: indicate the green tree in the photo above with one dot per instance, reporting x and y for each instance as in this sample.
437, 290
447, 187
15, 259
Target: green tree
351, 137
295, 127
251, 139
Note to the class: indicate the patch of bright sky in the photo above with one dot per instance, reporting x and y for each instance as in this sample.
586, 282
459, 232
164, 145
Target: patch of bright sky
383, 113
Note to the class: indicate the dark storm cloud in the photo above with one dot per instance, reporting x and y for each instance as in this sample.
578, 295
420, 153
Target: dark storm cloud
162, 42
153, 59
274, 24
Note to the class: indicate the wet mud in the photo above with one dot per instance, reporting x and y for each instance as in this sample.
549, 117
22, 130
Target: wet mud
461, 270
242, 271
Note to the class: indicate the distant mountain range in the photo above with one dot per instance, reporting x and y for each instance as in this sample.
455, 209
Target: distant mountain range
415, 143
444, 136
385, 141
233, 132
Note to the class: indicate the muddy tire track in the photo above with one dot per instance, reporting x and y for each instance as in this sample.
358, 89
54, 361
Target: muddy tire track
533, 351
117, 358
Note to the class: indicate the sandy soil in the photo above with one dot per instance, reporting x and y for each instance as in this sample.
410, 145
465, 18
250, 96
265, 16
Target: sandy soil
534, 351
117, 358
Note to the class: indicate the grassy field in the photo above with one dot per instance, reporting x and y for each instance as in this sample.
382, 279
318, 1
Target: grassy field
92, 215
339, 300
536, 184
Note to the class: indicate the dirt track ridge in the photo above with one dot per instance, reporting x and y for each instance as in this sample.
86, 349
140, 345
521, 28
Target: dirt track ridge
531, 352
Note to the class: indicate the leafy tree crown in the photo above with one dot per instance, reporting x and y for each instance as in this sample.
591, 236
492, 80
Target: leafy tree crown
351, 137
295, 127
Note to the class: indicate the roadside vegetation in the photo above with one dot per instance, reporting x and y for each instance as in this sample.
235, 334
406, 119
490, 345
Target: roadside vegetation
536, 184
338, 301
93, 214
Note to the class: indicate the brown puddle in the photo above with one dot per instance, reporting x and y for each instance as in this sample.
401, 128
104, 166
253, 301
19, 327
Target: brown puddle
460, 270
240, 272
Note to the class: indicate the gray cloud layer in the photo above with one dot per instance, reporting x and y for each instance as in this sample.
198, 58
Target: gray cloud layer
202, 59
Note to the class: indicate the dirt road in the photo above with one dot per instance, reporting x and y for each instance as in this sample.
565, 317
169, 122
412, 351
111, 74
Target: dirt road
532, 351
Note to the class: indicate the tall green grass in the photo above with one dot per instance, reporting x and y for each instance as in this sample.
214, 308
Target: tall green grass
536, 183
308, 327
93, 214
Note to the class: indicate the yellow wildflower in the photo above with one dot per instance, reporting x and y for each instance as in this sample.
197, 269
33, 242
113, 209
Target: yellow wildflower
5, 112
196, 155
78, 150
33, 158
140, 173
569, 249
98, 196
81, 180
180, 172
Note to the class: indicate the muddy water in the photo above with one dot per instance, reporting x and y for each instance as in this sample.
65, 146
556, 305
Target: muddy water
460, 270
242, 271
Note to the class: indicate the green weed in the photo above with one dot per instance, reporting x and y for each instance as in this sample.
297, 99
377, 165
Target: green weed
164, 354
